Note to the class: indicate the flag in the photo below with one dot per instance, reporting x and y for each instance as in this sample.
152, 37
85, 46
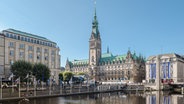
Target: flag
11, 76
26, 76
17, 81
71, 80
34, 81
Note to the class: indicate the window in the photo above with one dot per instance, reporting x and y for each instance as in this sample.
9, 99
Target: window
30, 55
31, 40
38, 57
38, 49
28, 39
18, 37
22, 38
11, 62
46, 50
34, 41
7, 35
21, 54
30, 48
22, 46
37, 41
14, 36
46, 58
53, 58
52, 53
11, 35
11, 44
25, 39
11, 52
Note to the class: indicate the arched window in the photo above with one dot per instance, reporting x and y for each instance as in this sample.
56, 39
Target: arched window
18, 37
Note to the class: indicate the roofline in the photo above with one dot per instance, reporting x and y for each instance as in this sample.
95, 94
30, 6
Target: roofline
177, 55
39, 37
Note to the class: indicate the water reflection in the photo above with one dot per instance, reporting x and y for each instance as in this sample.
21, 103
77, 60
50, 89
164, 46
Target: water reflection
164, 98
112, 98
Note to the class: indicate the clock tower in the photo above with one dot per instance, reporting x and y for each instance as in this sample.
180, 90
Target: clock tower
94, 44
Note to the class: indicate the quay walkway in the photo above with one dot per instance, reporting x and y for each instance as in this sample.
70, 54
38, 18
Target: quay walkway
68, 90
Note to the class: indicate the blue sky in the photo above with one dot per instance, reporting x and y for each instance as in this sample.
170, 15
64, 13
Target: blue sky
148, 27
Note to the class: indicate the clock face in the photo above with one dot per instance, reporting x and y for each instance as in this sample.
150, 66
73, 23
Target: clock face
92, 44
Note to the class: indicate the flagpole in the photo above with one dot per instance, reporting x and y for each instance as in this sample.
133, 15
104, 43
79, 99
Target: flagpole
12, 85
27, 82
1, 88
19, 86
34, 86
50, 86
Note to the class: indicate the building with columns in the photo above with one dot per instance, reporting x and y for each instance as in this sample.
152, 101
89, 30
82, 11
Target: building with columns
106, 66
17, 45
170, 68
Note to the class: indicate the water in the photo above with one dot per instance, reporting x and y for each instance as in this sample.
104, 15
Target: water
111, 98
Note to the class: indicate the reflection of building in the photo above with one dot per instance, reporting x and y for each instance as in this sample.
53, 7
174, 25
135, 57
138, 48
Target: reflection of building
171, 68
25, 46
161, 98
107, 66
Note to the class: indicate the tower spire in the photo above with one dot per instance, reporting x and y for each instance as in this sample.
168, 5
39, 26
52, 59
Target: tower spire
107, 49
95, 31
95, 6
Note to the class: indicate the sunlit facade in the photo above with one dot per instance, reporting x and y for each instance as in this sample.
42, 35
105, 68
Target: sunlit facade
18, 45
171, 68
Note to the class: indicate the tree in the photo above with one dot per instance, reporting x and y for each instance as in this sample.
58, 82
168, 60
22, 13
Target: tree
81, 73
61, 76
67, 75
41, 72
21, 68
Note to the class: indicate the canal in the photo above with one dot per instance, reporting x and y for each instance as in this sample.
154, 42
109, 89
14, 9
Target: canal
110, 98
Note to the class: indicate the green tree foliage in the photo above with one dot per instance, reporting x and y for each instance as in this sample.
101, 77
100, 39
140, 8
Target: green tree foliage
81, 73
67, 76
21, 68
41, 72
61, 76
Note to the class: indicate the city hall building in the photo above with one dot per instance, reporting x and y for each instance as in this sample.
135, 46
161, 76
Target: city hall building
17, 45
106, 66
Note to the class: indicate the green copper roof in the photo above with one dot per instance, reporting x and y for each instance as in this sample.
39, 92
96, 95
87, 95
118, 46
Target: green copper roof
80, 62
27, 34
106, 57
109, 57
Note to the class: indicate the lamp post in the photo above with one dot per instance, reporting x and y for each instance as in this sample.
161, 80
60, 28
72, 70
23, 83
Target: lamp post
94, 75
27, 82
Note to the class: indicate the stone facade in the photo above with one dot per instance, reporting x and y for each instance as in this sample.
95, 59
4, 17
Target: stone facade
107, 67
25, 46
171, 68
2, 55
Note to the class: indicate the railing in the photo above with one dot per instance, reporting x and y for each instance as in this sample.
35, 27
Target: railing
66, 89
